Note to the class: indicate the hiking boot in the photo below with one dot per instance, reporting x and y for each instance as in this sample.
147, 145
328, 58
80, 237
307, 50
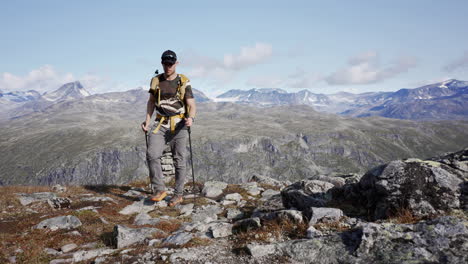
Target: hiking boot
176, 199
159, 196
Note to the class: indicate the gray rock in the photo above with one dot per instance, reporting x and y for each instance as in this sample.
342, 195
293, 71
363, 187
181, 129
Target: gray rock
251, 188
443, 238
142, 206
133, 193
74, 233
269, 193
329, 249
61, 261
233, 213
322, 214
336, 181
185, 209
26, 199
213, 189
68, 247
266, 180
246, 225
98, 199
206, 214
51, 251
227, 202
145, 219
60, 222
307, 193
83, 255
257, 250
124, 236
221, 230
90, 245
284, 215
178, 239
233, 197
154, 242
88, 208
423, 187
312, 232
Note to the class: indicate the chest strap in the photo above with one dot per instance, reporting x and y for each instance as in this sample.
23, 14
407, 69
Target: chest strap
171, 121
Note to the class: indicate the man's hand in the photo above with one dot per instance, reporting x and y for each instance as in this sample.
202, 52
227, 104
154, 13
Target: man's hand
188, 121
144, 127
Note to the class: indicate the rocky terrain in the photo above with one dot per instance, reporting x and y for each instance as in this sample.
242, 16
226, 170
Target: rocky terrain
404, 211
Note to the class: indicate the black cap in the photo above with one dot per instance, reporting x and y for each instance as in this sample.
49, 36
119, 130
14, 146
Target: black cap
168, 57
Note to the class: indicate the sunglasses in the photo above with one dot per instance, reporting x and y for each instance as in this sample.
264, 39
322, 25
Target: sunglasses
169, 64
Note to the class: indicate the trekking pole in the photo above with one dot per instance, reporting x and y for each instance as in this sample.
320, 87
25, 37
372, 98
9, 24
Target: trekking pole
147, 159
191, 161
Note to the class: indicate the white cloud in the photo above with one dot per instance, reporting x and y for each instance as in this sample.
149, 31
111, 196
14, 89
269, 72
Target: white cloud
248, 56
46, 78
43, 79
222, 71
365, 68
461, 62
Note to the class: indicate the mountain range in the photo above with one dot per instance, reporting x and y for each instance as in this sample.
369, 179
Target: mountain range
440, 101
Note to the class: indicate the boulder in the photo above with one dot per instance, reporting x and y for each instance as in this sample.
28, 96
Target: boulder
60, 222
258, 250
145, 219
220, 230
124, 236
423, 187
68, 247
246, 225
206, 214
269, 193
294, 216
28, 198
307, 193
233, 197
83, 255
142, 206
213, 189
266, 180
178, 239
233, 213
322, 214
251, 188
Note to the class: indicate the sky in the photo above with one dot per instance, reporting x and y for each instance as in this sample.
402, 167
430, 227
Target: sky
323, 46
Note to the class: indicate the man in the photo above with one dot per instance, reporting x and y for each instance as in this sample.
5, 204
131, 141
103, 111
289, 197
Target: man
171, 95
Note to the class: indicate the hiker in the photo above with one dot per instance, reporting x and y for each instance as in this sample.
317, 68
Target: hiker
171, 95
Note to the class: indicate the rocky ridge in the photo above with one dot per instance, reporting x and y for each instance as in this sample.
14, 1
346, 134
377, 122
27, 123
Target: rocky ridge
405, 211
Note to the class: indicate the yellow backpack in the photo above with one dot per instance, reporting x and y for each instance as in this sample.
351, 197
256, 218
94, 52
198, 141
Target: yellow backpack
180, 89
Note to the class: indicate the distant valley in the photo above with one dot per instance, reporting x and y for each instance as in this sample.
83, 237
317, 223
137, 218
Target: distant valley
76, 138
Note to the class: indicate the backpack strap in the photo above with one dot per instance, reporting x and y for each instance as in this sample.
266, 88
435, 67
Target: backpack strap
183, 82
154, 88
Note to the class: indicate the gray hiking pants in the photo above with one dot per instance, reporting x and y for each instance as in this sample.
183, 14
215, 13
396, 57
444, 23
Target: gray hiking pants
156, 145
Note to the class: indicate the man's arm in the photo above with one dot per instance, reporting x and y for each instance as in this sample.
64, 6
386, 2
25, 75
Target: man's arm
192, 111
149, 112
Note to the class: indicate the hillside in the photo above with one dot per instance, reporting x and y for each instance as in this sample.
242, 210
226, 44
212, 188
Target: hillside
97, 140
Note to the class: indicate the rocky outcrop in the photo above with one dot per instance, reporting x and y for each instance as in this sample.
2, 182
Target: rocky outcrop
318, 220
422, 187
